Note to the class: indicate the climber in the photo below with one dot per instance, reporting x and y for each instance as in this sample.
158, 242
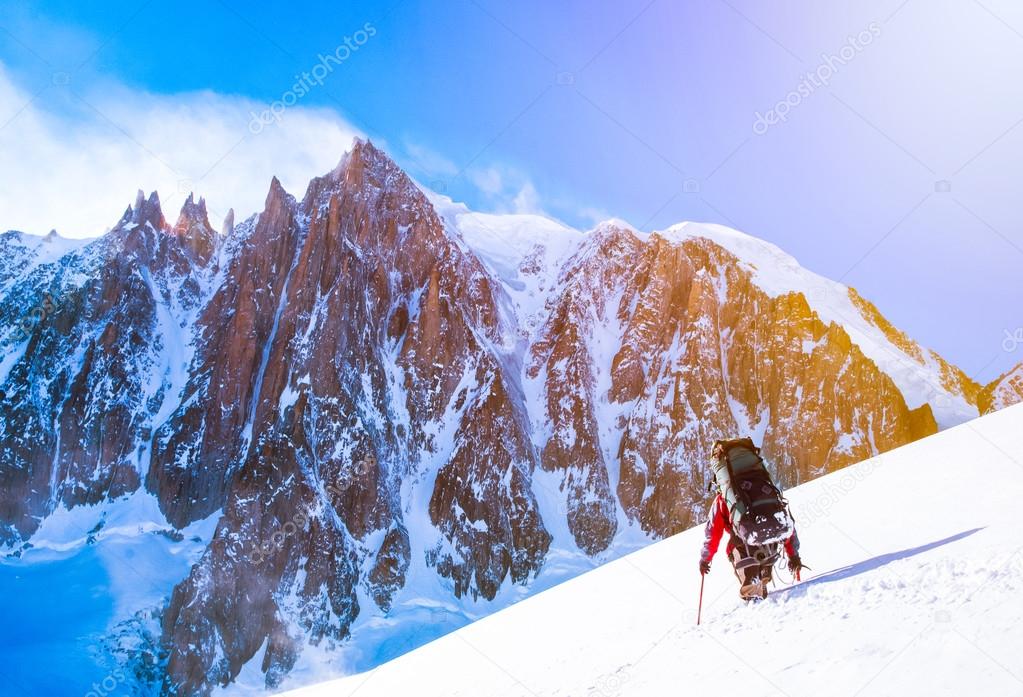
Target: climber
757, 519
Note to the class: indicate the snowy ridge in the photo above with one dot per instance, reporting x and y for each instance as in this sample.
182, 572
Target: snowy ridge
909, 595
31, 251
507, 243
777, 273
524, 251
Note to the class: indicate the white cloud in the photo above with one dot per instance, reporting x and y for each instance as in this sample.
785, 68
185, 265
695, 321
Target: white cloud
593, 215
527, 200
74, 163
507, 190
428, 161
489, 181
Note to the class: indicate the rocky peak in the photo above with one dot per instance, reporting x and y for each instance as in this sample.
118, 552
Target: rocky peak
364, 168
228, 227
613, 238
145, 210
277, 199
194, 230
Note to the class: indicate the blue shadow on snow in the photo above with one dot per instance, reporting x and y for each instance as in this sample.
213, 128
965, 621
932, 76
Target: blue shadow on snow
875, 562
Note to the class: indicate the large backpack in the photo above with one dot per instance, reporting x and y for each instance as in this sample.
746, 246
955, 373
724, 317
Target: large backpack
758, 511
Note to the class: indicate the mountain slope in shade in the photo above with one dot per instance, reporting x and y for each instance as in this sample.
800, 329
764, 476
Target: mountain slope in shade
1003, 392
909, 595
401, 415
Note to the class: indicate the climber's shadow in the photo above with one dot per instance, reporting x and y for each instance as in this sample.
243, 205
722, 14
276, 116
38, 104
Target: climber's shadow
873, 563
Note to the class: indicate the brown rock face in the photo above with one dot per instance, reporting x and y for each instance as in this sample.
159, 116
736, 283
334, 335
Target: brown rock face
698, 352
375, 345
951, 377
99, 353
194, 230
197, 448
574, 383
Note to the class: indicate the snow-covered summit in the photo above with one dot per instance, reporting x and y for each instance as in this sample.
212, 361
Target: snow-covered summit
921, 374
44, 248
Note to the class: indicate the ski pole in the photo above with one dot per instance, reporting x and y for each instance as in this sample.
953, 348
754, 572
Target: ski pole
699, 610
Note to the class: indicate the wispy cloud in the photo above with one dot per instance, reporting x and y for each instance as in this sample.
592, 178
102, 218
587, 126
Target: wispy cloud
506, 189
427, 161
72, 160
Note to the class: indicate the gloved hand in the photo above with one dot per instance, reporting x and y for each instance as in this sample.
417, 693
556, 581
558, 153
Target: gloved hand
704, 567
795, 564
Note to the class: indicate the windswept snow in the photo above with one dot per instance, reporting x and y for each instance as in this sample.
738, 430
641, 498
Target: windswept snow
524, 251
46, 249
915, 590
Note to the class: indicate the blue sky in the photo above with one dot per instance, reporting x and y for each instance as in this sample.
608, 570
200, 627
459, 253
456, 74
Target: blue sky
896, 168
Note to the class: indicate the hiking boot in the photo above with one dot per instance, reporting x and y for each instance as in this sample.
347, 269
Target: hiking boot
754, 589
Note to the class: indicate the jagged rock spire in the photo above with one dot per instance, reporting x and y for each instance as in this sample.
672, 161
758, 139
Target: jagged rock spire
228, 227
194, 229
145, 210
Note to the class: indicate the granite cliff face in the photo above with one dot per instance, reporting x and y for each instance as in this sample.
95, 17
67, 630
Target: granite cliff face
388, 401
697, 350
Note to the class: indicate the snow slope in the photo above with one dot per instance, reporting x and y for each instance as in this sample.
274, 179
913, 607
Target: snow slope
915, 590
